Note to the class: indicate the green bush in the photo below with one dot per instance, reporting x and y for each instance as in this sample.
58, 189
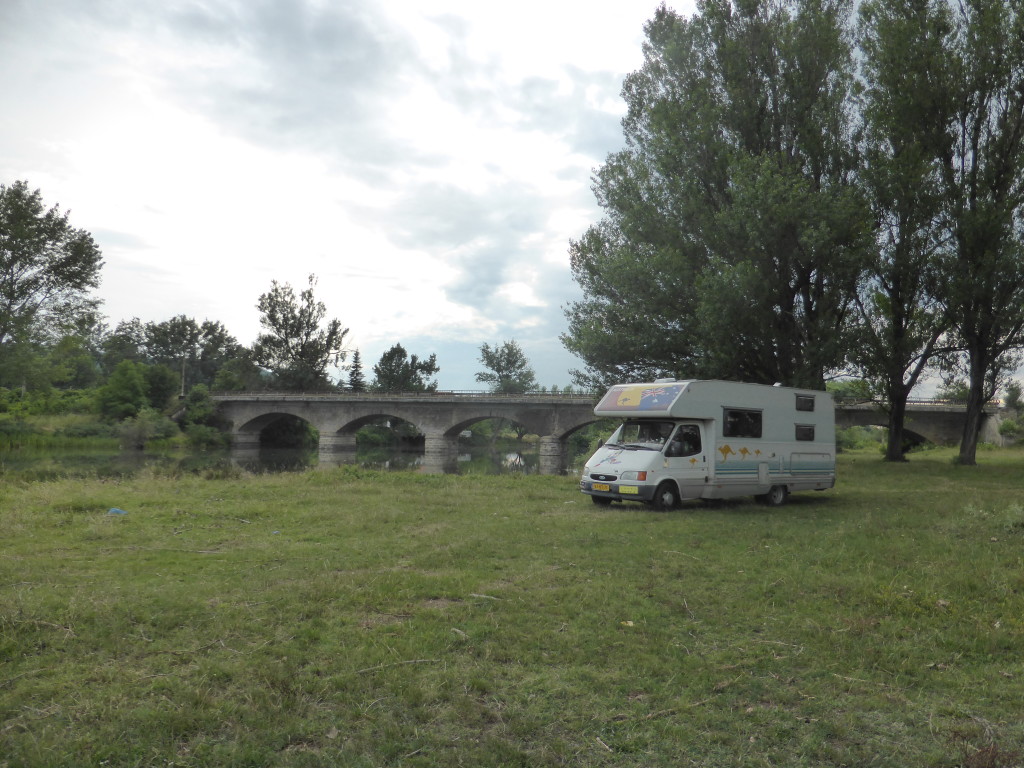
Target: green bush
147, 425
46, 402
88, 429
1013, 395
202, 437
124, 394
1010, 428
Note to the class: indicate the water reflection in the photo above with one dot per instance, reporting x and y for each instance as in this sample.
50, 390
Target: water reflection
35, 464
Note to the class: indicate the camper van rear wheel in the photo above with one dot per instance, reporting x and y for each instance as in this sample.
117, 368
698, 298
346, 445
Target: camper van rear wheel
776, 496
666, 497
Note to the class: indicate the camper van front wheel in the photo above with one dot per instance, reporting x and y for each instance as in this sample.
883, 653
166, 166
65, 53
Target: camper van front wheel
666, 497
775, 497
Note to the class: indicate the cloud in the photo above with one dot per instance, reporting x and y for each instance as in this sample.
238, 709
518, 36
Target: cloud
428, 161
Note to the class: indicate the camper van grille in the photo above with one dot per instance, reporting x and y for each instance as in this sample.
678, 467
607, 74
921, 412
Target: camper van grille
604, 478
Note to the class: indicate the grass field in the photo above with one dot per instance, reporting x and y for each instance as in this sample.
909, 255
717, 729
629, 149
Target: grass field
353, 618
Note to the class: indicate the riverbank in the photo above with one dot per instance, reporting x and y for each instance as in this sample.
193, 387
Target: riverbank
354, 617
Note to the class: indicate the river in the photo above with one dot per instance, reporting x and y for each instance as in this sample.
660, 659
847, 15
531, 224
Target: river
44, 464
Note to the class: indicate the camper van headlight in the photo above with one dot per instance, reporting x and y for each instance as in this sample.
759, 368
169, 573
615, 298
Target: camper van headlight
631, 475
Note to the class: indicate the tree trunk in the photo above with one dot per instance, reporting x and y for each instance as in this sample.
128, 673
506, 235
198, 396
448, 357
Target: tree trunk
972, 422
897, 416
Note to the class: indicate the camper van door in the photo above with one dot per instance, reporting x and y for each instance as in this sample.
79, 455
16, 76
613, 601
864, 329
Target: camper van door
686, 460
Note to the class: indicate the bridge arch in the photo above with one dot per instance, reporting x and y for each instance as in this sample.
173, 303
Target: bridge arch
249, 434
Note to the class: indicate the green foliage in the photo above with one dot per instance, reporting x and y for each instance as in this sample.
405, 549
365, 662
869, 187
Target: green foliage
47, 401
124, 394
47, 268
240, 374
162, 385
508, 371
859, 438
356, 379
854, 389
81, 430
146, 425
200, 409
196, 351
899, 318
295, 349
966, 88
954, 390
1012, 398
398, 371
1010, 428
126, 342
202, 437
727, 208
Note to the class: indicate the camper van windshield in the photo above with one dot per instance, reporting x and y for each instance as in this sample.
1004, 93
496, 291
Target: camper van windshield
645, 434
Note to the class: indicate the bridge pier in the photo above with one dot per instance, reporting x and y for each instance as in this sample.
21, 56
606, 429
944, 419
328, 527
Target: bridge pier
552, 455
440, 453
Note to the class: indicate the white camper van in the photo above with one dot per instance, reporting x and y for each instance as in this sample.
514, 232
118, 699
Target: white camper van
712, 440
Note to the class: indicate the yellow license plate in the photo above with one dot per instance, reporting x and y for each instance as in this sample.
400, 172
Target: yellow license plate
600, 487
627, 489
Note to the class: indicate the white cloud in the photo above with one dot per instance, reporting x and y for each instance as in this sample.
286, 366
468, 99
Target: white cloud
428, 161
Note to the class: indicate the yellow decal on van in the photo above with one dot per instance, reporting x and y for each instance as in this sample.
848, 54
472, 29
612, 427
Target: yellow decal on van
630, 396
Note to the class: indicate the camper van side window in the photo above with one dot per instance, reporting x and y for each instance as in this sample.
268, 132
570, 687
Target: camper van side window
805, 432
741, 423
805, 402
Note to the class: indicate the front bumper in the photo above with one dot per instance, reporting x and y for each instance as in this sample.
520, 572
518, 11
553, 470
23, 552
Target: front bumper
618, 491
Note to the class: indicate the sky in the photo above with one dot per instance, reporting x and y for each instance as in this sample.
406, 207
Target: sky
428, 160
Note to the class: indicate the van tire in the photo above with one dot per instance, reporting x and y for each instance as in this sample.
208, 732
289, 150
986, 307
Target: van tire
775, 497
666, 497
601, 501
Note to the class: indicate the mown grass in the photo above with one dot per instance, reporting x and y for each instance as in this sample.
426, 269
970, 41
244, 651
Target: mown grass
349, 617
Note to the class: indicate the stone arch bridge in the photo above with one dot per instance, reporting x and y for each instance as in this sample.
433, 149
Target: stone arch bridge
935, 421
442, 416
439, 416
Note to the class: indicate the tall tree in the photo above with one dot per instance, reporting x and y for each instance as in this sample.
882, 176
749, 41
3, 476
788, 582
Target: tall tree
196, 350
398, 371
907, 97
979, 154
217, 348
126, 342
356, 379
508, 371
47, 268
174, 343
295, 348
733, 234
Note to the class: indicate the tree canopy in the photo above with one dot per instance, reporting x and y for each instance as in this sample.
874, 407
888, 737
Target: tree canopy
356, 378
805, 192
733, 232
47, 268
295, 348
508, 371
398, 371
